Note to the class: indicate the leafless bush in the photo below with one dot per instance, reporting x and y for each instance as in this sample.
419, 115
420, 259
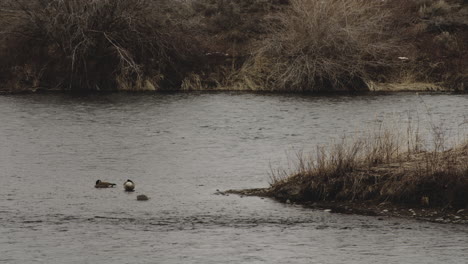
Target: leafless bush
267, 45
232, 26
437, 33
381, 166
326, 45
95, 44
432, 8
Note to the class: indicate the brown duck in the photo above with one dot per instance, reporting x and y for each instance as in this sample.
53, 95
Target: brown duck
101, 184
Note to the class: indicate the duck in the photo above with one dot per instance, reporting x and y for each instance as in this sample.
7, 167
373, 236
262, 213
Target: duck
101, 184
129, 186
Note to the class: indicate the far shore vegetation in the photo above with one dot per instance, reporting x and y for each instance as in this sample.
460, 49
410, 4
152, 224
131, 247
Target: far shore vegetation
247, 45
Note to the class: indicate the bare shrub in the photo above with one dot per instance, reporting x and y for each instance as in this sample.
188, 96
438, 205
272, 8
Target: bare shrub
233, 26
434, 8
96, 44
437, 33
326, 45
381, 166
266, 45
439, 176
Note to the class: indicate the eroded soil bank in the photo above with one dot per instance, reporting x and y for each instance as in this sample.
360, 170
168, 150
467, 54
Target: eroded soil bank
427, 186
373, 208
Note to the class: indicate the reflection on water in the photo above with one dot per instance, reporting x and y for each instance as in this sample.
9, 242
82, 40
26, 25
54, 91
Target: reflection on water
180, 148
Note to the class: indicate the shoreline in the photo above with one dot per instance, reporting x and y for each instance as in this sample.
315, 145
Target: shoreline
373, 88
372, 177
358, 47
371, 208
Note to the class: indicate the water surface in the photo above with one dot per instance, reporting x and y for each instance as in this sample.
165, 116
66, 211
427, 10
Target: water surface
181, 148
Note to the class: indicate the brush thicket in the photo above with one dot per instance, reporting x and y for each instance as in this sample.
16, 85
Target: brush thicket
94, 44
381, 166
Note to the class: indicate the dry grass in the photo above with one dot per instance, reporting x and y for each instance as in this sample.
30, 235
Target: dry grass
268, 45
437, 33
321, 46
93, 45
233, 26
326, 45
381, 166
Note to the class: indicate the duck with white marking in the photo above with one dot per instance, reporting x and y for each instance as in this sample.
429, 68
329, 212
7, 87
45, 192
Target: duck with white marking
129, 186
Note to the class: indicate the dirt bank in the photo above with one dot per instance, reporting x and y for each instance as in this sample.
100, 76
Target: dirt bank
430, 186
373, 208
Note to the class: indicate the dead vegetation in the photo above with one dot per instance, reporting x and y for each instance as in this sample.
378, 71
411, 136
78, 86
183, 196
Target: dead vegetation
437, 31
322, 46
253, 45
325, 46
379, 167
93, 45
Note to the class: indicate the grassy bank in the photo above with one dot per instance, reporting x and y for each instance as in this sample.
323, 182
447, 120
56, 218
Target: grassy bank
377, 171
252, 45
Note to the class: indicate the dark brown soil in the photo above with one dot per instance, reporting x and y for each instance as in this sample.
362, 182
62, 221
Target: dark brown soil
383, 209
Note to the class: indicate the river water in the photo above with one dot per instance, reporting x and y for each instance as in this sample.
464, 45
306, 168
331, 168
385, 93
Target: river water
179, 149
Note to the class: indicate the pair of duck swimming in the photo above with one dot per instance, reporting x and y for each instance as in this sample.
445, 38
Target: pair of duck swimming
129, 185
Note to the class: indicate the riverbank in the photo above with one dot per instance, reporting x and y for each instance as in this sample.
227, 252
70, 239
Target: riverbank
373, 208
292, 46
372, 177
374, 88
